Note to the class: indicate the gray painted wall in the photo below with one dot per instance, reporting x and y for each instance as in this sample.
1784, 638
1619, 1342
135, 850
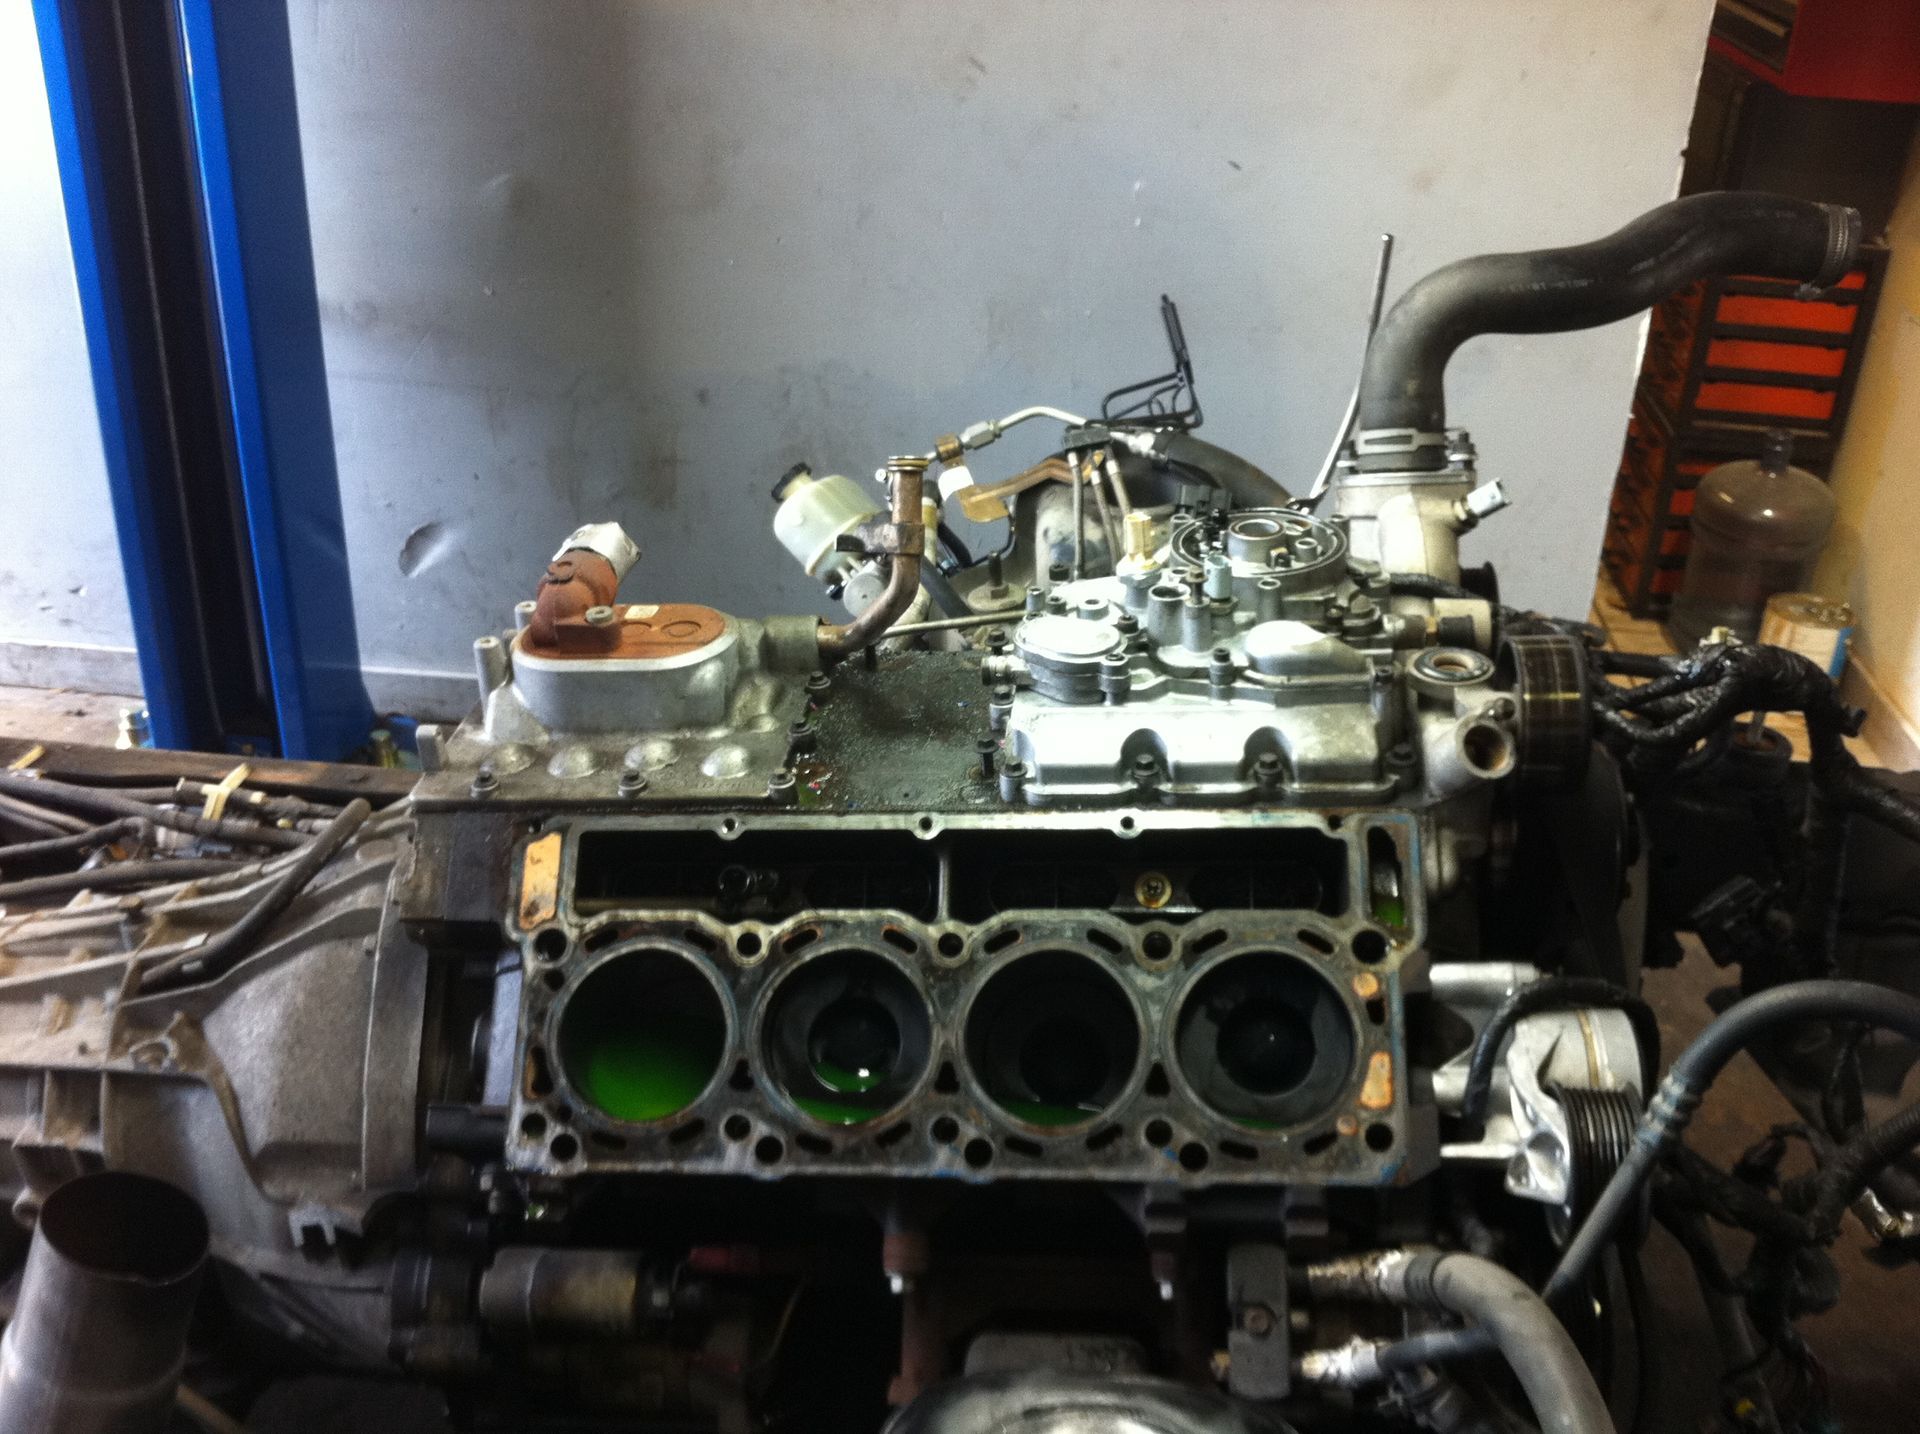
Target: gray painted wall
586, 259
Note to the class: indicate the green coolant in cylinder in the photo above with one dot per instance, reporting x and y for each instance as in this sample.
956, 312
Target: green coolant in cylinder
1036, 1112
643, 1035
645, 1075
850, 1050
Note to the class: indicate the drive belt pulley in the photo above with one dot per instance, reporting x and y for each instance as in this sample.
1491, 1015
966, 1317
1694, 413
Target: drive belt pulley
1548, 676
1600, 1126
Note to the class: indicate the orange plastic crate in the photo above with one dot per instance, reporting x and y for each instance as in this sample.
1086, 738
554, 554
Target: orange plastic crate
1765, 400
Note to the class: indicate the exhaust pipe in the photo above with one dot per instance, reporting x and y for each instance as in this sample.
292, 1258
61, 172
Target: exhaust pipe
100, 1335
1402, 406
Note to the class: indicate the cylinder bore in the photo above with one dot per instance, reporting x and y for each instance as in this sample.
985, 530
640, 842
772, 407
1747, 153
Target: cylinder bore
1052, 1038
1264, 1039
846, 1036
643, 1034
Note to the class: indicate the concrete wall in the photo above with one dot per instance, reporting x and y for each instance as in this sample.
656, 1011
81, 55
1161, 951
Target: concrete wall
63, 607
1869, 561
587, 259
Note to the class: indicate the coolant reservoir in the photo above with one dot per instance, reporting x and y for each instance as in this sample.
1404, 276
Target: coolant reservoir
1758, 525
814, 513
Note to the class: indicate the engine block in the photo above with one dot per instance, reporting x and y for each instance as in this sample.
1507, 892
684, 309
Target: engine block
1130, 996
1135, 889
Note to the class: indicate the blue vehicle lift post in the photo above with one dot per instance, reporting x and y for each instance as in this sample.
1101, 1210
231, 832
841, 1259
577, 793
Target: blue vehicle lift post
178, 144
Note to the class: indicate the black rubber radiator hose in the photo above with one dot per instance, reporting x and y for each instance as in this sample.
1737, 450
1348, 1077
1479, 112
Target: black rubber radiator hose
1548, 291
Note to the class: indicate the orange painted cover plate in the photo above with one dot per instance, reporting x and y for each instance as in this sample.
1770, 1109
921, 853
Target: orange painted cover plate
638, 630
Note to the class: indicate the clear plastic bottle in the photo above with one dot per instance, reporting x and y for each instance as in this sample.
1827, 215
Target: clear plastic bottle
1758, 525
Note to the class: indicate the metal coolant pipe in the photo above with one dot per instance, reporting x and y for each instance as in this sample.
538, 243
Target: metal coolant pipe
100, 1334
840, 640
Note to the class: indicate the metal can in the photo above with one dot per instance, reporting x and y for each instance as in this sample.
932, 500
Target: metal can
1815, 627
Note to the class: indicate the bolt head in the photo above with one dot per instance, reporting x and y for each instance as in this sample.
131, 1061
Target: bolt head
599, 615
1152, 889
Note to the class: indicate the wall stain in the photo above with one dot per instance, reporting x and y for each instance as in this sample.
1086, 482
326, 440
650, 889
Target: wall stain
509, 193
361, 314
708, 190
659, 468
566, 473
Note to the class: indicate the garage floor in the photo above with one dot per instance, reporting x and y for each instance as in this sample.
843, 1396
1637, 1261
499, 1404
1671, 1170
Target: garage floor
59, 715
1871, 1356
